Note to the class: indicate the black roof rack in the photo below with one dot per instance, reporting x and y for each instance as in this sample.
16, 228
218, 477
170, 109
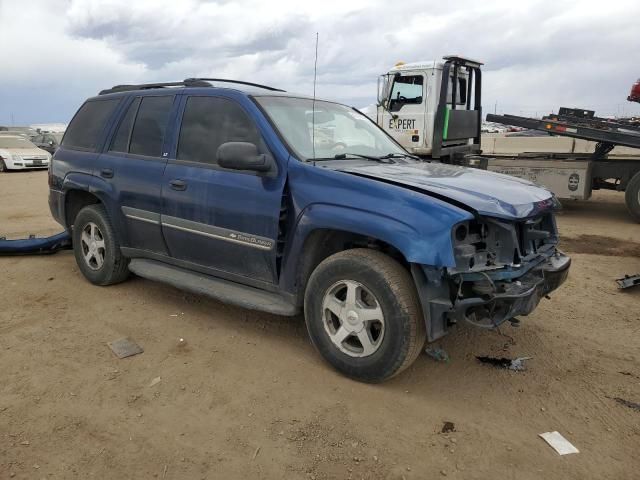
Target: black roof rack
266, 87
189, 82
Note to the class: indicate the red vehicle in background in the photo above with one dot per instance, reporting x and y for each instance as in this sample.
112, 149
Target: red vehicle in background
634, 96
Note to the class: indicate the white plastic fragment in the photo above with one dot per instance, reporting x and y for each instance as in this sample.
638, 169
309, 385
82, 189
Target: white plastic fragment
518, 364
154, 382
559, 443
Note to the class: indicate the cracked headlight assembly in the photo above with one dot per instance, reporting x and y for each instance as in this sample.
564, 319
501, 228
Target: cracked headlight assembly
484, 244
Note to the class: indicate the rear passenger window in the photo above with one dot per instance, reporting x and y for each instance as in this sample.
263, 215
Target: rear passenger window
150, 125
84, 130
120, 141
208, 122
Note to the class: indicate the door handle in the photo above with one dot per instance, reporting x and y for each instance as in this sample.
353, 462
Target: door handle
178, 185
106, 173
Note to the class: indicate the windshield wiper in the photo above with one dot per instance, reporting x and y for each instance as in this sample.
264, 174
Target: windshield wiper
343, 156
400, 155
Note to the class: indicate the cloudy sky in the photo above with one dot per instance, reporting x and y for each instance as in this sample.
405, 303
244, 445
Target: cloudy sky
538, 55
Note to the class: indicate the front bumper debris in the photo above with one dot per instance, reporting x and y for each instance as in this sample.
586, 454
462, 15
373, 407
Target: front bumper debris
486, 299
498, 301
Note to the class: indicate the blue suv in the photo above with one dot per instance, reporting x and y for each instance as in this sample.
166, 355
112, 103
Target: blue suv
288, 204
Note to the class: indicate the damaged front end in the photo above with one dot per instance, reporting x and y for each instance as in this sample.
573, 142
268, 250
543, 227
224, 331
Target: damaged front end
502, 270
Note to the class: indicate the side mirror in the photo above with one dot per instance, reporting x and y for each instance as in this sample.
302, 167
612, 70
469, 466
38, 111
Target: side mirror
51, 143
243, 156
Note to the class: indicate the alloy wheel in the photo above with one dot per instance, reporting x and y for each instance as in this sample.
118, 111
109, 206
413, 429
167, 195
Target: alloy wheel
353, 318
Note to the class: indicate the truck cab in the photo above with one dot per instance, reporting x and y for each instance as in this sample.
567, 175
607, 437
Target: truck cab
432, 109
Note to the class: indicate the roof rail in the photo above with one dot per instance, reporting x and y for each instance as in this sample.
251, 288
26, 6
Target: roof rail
266, 87
147, 86
189, 82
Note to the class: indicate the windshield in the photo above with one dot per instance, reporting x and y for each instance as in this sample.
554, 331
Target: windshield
339, 130
15, 142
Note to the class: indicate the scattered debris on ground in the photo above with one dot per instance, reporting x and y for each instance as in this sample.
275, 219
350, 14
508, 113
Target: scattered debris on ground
628, 281
255, 454
559, 443
437, 354
155, 381
516, 364
627, 403
125, 347
448, 427
48, 349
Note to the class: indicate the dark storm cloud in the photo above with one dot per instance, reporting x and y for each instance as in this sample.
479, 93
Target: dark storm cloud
196, 32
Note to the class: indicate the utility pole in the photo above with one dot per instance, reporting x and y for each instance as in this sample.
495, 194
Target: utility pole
12, 120
495, 108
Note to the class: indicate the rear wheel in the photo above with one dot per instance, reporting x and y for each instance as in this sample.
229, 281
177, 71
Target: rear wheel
363, 315
3, 166
632, 196
96, 247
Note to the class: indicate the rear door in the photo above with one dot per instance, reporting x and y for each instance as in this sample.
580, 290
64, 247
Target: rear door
133, 165
223, 220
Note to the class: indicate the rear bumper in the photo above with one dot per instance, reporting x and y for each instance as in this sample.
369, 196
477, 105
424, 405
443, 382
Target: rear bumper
56, 206
499, 301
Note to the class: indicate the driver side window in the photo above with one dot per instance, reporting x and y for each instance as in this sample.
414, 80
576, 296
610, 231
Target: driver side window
207, 123
406, 90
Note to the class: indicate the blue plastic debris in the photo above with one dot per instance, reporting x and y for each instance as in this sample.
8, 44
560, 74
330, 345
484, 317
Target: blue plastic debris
35, 246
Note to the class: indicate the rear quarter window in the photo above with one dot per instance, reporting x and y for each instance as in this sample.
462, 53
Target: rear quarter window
85, 129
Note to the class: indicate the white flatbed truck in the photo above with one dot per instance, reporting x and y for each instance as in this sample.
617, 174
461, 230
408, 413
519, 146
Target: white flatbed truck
433, 109
576, 175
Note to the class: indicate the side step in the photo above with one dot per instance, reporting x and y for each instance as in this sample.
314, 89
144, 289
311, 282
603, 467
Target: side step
217, 288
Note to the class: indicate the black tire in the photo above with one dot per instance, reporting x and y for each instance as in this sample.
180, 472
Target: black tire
632, 197
114, 266
393, 290
3, 166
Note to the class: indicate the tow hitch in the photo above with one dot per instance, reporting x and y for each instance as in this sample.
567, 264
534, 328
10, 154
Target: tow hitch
35, 245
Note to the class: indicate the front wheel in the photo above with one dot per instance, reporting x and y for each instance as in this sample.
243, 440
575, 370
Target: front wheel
363, 315
96, 247
632, 196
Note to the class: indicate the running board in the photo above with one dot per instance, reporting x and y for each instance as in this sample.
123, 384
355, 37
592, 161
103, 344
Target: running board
217, 288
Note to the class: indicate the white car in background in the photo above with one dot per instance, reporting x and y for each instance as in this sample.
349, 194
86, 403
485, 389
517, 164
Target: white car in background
18, 153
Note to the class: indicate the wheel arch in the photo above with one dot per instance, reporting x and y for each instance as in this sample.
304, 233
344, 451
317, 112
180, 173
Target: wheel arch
80, 190
321, 243
322, 230
74, 201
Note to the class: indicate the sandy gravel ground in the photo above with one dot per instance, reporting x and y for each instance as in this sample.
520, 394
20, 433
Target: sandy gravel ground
248, 397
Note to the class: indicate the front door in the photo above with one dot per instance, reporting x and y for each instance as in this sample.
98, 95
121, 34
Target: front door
223, 220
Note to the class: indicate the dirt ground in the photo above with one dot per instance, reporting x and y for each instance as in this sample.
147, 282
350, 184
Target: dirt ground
248, 396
